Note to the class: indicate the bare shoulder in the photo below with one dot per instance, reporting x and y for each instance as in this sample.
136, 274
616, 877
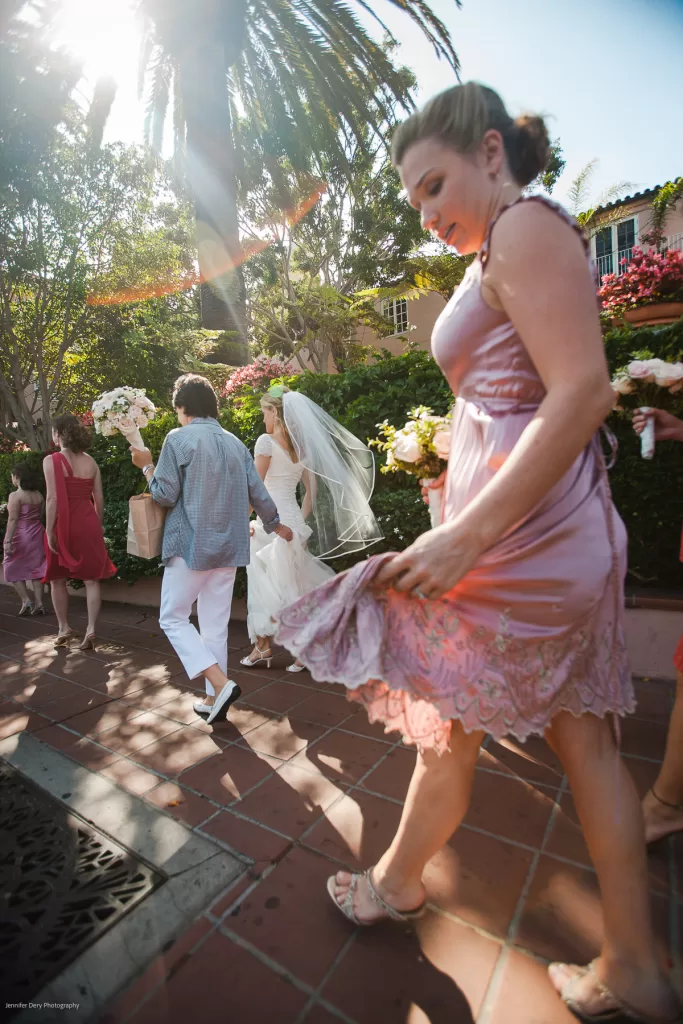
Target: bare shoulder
13, 499
536, 229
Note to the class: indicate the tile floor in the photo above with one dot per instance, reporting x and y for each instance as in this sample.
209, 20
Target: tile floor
297, 783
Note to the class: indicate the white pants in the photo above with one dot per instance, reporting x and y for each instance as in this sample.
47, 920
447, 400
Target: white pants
212, 590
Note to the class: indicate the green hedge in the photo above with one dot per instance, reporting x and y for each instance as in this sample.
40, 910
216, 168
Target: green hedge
649, 495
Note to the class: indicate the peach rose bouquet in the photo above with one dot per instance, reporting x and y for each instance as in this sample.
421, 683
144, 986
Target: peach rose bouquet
419, 448
644, 383
123, 410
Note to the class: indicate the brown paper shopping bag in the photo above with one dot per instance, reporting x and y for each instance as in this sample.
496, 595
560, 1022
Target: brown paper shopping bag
145, 526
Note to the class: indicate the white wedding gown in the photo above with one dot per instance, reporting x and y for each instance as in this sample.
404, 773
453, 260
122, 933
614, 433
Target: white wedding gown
279, 571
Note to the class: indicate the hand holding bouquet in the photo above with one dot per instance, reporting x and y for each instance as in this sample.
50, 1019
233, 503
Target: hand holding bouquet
125, 410
420, 448
649, 382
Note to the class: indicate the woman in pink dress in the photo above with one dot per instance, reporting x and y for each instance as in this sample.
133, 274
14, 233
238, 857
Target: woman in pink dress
24, 545
506, 619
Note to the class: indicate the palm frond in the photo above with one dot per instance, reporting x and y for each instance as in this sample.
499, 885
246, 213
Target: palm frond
616, 192
578, 193
308, 71
158, 101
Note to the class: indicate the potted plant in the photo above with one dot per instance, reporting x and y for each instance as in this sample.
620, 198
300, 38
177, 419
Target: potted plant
649, 291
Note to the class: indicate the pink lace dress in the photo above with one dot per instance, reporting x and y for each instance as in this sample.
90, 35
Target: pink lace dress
536, 626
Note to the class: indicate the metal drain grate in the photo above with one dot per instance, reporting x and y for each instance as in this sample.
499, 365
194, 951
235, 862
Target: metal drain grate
62, 884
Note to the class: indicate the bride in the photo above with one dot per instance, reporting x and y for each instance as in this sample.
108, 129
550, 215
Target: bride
304, 447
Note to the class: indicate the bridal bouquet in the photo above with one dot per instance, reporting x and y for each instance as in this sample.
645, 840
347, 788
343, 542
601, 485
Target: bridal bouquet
420, 448
124, 410
649, 382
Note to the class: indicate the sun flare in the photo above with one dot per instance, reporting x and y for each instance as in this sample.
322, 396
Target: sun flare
102, 34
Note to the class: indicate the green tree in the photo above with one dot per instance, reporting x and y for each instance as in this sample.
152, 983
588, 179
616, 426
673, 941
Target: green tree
313, 319
306, 76
556, 165
98, 230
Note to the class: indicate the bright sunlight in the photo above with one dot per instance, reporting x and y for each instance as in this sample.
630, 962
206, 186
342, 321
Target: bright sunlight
104, 35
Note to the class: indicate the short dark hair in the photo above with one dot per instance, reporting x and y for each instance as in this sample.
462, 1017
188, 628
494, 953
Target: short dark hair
196, 396
29, 478
74, 435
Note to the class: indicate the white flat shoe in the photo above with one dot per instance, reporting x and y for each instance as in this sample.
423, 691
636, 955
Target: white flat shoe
225, 698
295, 668
202, 709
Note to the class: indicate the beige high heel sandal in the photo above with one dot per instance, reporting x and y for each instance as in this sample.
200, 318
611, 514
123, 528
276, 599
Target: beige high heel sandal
64, 639
88, 643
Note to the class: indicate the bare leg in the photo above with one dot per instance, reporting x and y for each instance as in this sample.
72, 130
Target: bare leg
612, 822
22, 591
661, 820
93, 597
437, 801
38, 593
60, 603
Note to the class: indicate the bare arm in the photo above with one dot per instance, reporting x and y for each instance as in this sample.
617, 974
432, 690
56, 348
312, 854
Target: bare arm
262, 463
260, 500
51, 502
309, 488
13, 513
98, 495
538, 273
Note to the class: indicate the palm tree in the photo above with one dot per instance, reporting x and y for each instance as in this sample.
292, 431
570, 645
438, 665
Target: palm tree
304, 74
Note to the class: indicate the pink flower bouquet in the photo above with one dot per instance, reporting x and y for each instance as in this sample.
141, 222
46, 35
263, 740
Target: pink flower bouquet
649, 382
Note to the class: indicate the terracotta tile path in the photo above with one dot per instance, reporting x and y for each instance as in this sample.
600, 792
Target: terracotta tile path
296, 783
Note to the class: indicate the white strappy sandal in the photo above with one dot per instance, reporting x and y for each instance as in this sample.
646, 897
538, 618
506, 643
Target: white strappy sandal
266, 655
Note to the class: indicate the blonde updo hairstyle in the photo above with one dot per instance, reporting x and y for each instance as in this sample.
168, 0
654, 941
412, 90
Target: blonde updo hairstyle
461, 116
274, 402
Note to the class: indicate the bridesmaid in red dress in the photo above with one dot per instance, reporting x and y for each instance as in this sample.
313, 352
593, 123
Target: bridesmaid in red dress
74, 539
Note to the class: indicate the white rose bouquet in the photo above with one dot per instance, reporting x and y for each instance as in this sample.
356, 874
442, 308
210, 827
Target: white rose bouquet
420, 448
125, 410
649, 382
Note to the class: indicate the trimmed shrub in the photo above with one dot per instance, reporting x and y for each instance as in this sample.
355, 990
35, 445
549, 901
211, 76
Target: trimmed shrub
648, 495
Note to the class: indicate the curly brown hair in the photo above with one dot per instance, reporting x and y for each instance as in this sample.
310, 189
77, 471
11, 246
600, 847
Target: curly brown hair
72, 433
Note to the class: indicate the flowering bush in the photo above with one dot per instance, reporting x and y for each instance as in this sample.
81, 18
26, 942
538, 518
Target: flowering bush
256, 377
9, 445
649, 277
420, 448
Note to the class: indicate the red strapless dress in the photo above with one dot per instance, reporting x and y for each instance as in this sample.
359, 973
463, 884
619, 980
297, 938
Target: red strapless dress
81, 554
